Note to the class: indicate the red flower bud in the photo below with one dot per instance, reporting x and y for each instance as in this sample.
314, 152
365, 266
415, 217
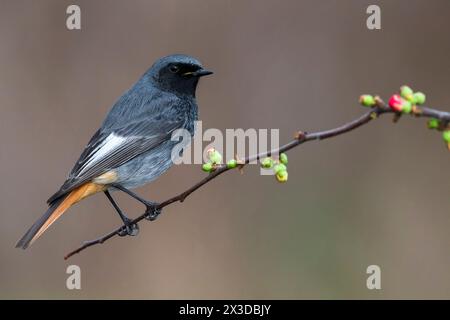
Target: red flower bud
396, 103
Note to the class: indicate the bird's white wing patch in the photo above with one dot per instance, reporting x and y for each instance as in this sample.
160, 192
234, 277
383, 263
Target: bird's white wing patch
111, 143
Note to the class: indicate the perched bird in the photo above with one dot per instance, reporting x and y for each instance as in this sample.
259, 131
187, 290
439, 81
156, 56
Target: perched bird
133, 145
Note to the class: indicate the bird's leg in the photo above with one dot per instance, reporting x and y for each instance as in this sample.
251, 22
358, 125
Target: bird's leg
152, 212
131, 229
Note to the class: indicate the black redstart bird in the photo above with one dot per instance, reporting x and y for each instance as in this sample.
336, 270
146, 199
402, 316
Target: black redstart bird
133, 145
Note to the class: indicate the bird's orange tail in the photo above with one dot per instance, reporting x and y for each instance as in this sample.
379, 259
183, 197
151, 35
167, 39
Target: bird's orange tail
56, 210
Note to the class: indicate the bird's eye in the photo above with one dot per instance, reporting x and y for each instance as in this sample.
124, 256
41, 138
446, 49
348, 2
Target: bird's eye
174, 69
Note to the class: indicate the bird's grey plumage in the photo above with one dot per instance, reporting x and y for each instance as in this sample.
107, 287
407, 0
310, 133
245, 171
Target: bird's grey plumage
133, 146
135, 138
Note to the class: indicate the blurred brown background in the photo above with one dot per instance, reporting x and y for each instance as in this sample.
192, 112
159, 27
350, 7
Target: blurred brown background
378, 195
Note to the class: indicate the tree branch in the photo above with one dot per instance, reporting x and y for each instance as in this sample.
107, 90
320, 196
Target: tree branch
300, 138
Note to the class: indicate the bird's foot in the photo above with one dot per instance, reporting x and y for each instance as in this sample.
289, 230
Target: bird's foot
129, 229
152, 212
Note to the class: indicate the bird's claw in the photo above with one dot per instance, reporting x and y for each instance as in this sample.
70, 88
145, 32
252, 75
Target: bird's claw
152, 212
129, 229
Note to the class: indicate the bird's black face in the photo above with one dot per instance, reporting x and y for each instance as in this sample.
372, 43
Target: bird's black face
179, 74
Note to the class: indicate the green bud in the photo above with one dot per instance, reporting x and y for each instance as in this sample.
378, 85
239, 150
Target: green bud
433, 123
419, 98
283, 158
367, 100
232, 164
214, 156
446, 136
406, 107
267, 163
406, 92
207, 167
279, 167
282, 176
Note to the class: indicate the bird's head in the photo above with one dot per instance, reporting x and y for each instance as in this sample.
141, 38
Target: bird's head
177, 73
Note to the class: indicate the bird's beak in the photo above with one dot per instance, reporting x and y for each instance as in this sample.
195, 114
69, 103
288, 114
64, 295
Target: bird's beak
198, 73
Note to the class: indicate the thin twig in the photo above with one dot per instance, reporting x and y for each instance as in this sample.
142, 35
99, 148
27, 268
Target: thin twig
379, 109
